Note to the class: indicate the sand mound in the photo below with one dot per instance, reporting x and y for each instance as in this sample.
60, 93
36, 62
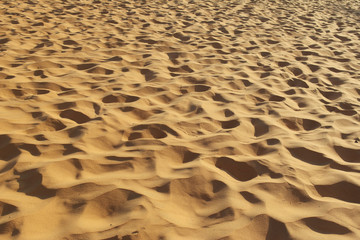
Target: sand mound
179, 120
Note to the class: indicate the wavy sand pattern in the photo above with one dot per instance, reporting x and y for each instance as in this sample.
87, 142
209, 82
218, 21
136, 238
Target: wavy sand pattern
179, 119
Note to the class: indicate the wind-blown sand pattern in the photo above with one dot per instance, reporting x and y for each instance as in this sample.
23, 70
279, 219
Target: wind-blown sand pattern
179, 120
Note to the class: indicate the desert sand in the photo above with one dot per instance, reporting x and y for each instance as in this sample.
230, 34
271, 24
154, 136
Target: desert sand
179, 120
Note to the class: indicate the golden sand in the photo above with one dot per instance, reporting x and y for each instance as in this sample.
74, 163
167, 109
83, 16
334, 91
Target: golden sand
180, 119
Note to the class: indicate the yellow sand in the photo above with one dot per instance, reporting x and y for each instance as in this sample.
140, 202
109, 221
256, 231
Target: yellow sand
179, 120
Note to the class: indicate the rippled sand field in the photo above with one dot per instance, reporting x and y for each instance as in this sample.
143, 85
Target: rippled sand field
165, 120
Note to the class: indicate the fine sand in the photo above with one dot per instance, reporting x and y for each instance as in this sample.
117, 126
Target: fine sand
169, 120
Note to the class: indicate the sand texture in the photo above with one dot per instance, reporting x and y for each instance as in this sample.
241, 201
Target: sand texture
167, 120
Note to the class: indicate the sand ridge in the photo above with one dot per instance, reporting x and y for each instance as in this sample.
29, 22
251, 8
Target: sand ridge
179, 119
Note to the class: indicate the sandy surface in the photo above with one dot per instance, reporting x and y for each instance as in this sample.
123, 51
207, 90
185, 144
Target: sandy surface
179, 120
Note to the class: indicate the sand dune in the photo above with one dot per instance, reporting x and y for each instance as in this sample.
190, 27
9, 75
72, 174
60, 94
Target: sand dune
179, 119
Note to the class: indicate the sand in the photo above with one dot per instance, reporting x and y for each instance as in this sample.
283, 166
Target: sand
179, 120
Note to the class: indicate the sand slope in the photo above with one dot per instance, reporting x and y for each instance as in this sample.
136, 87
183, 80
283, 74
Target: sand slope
179, 120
